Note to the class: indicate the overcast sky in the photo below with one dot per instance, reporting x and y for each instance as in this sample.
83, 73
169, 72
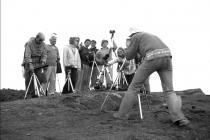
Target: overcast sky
184, 25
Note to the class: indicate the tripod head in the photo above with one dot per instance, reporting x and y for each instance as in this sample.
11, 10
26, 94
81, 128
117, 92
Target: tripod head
112, 33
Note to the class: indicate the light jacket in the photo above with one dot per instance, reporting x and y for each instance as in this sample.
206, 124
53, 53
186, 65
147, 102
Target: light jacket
71, 57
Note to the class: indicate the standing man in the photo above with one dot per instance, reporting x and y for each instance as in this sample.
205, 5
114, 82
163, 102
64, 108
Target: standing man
52, 58
156, 58
35, 56
71, 62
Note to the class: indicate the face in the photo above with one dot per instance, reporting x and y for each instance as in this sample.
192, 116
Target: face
128, 42
87, 43
76, 42
105, 44
121, 53
93, 44
53, 41
39, 40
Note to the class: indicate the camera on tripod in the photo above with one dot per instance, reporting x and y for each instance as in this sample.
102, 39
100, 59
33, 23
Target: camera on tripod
112, 33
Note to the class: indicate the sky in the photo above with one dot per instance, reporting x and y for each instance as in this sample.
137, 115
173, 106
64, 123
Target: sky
183, 25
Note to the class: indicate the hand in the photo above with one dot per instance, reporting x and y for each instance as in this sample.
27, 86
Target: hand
42, 63
31, 67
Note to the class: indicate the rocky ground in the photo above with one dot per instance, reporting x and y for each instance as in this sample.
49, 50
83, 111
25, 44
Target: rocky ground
78, 117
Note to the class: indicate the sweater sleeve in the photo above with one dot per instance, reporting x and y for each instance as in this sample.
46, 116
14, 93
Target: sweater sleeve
131, 51
65, 56
58, 55
27, 58
44, 54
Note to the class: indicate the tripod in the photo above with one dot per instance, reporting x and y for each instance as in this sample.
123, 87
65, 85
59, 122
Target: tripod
36, 86
91, 74
69, 82
103, 75
120, 75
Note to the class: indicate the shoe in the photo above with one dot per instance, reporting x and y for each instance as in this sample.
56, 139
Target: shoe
183, 122
116, 115
51, 94
92, 88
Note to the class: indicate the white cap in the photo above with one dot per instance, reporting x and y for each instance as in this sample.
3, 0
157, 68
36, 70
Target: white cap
53, 35
133, 30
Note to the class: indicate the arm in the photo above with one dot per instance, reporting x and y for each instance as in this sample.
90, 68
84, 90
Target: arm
27, 57
113, 62
131, 51
65, 57
58, 55
44, 55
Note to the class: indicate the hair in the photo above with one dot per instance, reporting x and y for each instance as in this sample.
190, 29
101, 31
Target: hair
71, 40
93, 41
103, 41
87, 40
40, 35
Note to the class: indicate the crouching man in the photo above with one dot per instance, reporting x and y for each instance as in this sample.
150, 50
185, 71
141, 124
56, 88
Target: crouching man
157, 58
34, 58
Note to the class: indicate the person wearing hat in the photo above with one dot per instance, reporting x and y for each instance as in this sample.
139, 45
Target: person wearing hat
71, 63
35, 56
156, 58
52, 58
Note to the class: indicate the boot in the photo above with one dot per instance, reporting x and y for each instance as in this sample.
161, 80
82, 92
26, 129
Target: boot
174, 103
125, 106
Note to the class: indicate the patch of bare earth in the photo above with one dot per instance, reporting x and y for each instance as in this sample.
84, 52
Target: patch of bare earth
78, 117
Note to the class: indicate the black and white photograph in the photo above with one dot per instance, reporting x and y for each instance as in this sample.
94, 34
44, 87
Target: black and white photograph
105, 70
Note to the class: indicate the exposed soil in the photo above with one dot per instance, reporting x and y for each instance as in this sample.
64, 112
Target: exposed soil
78, 117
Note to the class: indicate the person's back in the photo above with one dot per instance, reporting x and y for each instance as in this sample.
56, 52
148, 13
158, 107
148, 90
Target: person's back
144, 44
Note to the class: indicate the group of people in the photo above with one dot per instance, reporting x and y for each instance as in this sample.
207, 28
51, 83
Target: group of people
144, 54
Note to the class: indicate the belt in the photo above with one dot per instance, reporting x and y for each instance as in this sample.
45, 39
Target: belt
157, 54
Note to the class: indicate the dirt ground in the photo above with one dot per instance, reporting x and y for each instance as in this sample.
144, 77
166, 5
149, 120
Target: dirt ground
78, 117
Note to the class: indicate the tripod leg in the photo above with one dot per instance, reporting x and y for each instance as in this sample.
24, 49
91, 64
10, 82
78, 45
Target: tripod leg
147, 100
59, 84
125, 78
97, 67
91, 73
28, 86
140, 109
39, 85
36, 86
109, 92
68, 84
71, 85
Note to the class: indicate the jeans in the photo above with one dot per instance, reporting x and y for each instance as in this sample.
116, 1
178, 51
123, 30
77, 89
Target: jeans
163, 66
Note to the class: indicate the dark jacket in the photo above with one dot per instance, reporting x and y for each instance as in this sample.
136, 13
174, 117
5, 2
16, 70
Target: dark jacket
84, 51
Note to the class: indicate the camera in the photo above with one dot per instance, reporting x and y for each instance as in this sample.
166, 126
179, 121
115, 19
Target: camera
90, 56
112, 31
